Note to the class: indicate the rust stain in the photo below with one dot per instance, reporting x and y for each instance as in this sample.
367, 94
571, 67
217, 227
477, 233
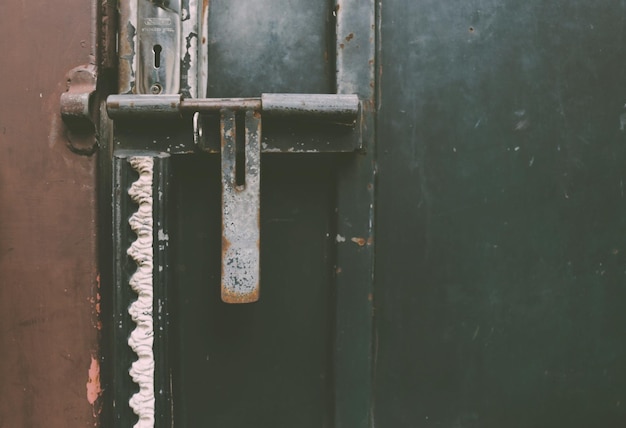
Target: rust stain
338, 270
362, 242
349, 37
204, 40
94, 389
341, 45
225, 245
359, 241
97, 305
370, 297
230, 297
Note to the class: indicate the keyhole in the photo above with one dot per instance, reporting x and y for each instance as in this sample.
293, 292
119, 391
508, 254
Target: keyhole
157, 55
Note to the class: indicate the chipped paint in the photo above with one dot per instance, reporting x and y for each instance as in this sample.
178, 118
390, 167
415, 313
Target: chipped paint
94, 388
361, 242
127, 40
97, 305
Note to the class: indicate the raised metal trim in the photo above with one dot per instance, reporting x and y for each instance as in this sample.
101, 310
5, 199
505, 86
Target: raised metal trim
141, 339
356, 60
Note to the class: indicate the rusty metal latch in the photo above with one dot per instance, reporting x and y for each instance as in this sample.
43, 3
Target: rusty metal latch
241, 189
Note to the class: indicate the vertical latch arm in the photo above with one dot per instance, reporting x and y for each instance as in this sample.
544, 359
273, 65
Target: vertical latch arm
241, 207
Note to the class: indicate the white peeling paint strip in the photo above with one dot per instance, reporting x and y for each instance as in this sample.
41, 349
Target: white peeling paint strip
142, 337
190, 36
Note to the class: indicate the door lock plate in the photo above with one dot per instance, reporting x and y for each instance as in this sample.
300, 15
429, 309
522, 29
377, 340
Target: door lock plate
159, 31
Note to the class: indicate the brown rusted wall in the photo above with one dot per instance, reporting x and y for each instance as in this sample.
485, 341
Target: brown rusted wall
48, 271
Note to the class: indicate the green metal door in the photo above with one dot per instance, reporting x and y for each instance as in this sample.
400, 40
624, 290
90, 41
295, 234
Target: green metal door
500, 274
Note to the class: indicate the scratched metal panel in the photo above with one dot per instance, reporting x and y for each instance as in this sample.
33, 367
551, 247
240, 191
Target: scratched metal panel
501, 237
269, 46
49, 283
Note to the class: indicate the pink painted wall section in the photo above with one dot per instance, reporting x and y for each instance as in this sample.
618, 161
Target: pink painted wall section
49, 297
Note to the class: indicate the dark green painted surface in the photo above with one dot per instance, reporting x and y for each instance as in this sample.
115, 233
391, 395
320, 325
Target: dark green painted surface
266, 46
267, 363
501, 249
301, 357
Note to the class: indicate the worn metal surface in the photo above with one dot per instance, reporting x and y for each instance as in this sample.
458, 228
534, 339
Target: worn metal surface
76, 102
343, 108
133, 106
339, 108
185, 23
279, 136
241, 209
193, 63
49, 281
126, 46
159, 44
356, 186
501, 264
293, 124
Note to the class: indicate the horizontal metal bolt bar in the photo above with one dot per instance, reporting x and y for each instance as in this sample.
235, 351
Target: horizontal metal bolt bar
314, 105
207, 105
127, 106
339, 108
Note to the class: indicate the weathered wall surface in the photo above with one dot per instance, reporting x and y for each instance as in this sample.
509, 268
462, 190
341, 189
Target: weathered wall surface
48, 276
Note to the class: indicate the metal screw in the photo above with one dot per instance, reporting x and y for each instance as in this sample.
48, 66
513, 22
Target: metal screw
156, 89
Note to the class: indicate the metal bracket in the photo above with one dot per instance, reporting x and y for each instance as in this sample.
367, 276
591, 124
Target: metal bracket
77, 108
